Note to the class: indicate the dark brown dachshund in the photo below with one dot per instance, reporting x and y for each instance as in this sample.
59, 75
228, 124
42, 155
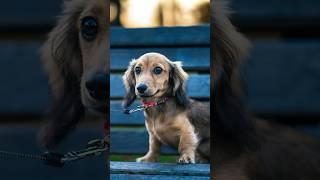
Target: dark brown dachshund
177, 121
246, 148
75, 57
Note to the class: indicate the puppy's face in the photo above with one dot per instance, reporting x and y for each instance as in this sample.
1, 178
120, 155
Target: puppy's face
93, 33
153, 76
151, 73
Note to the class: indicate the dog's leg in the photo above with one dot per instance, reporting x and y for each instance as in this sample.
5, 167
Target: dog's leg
187, 147
203, 151
153, 152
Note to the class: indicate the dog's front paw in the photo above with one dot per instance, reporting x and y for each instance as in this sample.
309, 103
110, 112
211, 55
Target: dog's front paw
147, 159
186, 159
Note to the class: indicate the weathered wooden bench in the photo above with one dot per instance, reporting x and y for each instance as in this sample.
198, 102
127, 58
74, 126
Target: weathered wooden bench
187, 44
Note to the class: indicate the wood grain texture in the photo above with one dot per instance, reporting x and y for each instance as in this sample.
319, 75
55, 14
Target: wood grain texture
269, 90
198, 86
160, 169
117, 117
193, 58
162, 36
155, 177
133, 141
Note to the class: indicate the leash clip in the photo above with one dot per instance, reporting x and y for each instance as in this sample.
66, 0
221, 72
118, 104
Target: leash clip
94, 148
130, 111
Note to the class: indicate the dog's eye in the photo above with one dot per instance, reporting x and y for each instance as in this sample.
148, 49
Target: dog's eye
157, 70
89, 28
137, 70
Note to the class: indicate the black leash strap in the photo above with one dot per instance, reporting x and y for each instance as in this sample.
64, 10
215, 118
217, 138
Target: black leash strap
94, 148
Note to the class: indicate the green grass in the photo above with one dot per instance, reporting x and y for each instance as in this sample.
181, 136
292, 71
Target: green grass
132, 158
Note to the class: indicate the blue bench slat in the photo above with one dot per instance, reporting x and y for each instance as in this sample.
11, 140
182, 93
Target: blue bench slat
162, 36
284, 13
283, 78
160, 169
133, 141
24, 87
22, 138
154, 177
117, 116
270, 91
30, 14
194, 58
198, 86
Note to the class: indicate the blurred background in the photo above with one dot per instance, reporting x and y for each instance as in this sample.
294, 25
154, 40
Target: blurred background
155, 13
281, 79
25, 96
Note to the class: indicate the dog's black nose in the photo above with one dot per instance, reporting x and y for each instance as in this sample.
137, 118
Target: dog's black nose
97, 85
142, 88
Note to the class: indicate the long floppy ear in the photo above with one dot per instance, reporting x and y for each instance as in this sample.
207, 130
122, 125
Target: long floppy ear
129, 83
61, 58
229, 47
177, 80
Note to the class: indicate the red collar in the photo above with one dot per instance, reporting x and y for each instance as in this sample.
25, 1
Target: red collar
145, 105
153, 103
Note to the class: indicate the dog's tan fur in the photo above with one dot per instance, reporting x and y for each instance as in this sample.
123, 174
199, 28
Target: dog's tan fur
175, 122
69, 60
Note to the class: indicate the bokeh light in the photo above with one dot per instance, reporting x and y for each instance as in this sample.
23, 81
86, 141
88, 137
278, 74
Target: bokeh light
154, 13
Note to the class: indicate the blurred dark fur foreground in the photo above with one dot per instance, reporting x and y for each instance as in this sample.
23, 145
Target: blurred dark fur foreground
245, 148
75, 57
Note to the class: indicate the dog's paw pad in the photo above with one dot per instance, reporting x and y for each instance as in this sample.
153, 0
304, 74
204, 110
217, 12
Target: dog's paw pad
186, 159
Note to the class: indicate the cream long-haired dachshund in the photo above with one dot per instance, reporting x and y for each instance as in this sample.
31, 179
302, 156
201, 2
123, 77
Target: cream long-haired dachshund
177, 120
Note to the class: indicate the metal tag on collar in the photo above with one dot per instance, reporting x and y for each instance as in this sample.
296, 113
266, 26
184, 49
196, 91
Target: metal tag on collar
130, 111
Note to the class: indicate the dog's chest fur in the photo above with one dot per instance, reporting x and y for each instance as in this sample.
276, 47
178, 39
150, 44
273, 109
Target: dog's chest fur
167, 128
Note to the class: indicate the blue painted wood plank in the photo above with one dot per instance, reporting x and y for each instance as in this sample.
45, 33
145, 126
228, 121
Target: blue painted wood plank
193, 58
269, 90
24, 87
155, 177
29, 14
117, 117
170, 36
276, 14
133, 141
193, 86
160, 169
283, 78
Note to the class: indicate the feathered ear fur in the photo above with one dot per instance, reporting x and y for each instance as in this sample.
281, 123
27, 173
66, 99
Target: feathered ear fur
229, 48
178, 78
129, 83
61, 58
